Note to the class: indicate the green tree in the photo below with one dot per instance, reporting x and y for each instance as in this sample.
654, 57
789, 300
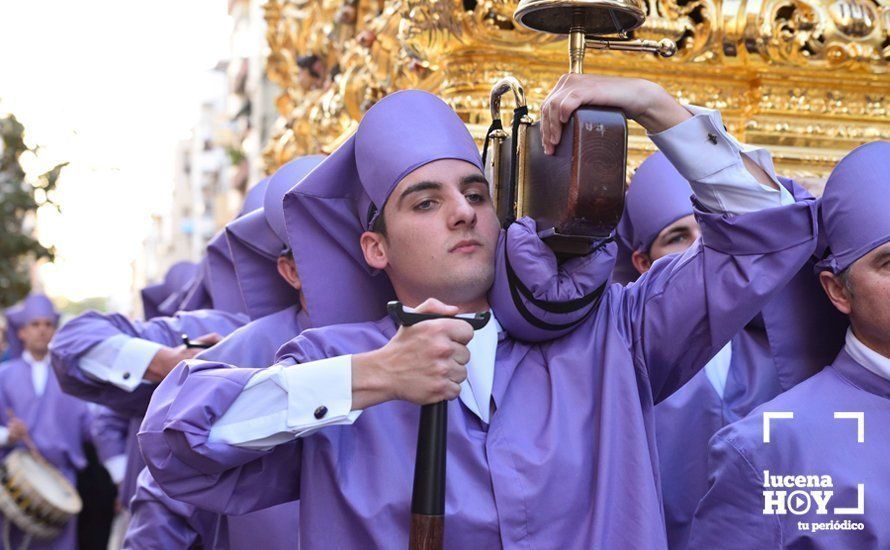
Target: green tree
19, 201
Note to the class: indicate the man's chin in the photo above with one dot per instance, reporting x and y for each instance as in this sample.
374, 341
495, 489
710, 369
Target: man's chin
468, 286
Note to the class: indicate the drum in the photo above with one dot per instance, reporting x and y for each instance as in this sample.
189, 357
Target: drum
35, 496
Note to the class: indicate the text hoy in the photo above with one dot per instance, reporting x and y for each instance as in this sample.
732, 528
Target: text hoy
804, 493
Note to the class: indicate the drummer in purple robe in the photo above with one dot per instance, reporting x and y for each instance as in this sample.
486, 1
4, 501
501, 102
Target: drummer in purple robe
659, 221
549, 444
270, 285
35, 411
809, 468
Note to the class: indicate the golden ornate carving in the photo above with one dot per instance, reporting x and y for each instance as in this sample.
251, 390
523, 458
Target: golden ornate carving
810, 79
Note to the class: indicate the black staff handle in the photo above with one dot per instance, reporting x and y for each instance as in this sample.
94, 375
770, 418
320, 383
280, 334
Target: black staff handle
428, 496
190, 344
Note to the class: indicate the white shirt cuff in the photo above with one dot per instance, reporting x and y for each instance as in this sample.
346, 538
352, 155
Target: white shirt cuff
120, 360
116, 467
703, 151
4, 436
285, 402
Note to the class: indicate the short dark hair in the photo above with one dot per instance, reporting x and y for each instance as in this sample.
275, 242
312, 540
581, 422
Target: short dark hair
379, 224
844, 277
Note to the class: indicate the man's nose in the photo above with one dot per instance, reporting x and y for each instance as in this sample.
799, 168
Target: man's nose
463, 213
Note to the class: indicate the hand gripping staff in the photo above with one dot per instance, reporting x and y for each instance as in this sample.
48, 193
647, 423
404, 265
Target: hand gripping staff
428, 497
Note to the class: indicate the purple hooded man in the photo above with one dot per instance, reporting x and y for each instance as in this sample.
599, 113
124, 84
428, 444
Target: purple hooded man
809, 468
177, 277
269, 285
33, 407
549, 444
659, 221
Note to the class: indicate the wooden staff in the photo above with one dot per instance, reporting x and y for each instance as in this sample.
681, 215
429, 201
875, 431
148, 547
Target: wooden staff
428, 496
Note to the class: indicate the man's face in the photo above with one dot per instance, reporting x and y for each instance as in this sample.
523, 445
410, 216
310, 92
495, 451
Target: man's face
866, 298
674, 238
441, 234
36, 335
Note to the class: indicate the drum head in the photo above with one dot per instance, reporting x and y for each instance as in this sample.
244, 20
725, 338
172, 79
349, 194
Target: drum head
49, 483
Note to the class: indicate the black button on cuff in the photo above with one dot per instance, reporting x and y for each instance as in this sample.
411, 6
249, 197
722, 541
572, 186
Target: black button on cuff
712, 138
126, 376
320, 412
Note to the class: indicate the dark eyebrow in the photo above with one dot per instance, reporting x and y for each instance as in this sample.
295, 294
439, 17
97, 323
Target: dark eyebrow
473, 178
676, 231
882, 255
418, 187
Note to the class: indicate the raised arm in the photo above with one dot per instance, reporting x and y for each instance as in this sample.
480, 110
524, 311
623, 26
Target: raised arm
110, 360
755, 237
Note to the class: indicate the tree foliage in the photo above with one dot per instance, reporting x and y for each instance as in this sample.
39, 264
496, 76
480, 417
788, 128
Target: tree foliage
19, 201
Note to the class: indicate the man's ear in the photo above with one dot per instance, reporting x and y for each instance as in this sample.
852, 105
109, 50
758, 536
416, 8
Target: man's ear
374, 248
287, 268
837, 291
642, 262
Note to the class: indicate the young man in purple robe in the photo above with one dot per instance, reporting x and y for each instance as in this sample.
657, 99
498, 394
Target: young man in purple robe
33, 407
549, 444
270, 288
809, 468
659, 221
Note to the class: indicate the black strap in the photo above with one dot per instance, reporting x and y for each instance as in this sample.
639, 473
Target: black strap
518, 113
495, 125
517, 287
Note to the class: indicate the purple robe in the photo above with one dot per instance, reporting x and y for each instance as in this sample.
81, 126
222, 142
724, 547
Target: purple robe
569, 458
740, 507
814, 442
159, 522
193, 296
254, 346
57, 423
80, 334
109, 432
795, 335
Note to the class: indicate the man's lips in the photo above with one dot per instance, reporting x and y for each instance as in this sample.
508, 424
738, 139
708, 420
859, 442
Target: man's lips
468, 245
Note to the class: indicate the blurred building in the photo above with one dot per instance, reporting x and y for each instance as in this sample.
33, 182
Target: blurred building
223, 155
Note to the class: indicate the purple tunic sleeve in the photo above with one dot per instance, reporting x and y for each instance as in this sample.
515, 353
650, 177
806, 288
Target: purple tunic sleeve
108, 431
687, 307
214, 476
90, 329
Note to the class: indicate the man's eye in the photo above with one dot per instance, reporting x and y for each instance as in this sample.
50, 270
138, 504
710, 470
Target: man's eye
424, 205
678, 239
476, 197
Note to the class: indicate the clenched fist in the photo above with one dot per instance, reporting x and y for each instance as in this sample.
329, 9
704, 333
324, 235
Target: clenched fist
424, 363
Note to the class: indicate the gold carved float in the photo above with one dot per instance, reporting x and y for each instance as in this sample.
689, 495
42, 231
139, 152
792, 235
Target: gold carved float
809, 79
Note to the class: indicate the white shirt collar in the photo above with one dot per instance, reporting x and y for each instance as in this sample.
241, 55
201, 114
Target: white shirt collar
867, 357
39, 371
475, 391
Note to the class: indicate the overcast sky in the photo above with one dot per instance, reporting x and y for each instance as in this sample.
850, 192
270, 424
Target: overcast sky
110, 87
